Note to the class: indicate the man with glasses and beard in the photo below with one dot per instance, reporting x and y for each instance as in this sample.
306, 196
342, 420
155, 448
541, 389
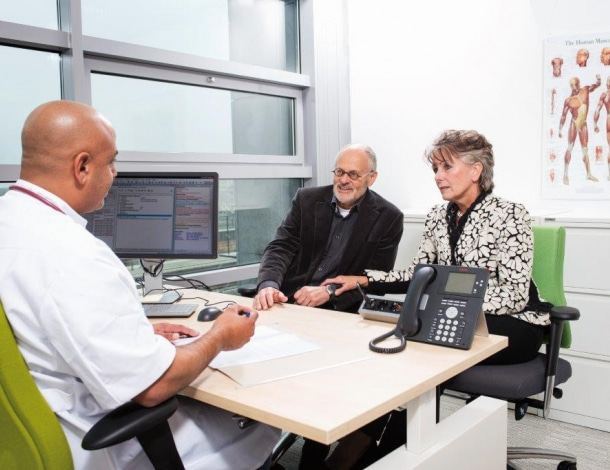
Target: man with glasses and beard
330, 230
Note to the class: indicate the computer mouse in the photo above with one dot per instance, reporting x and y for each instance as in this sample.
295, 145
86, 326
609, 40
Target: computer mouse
208, 314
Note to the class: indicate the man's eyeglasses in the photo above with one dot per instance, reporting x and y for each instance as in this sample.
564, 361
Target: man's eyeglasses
353, 175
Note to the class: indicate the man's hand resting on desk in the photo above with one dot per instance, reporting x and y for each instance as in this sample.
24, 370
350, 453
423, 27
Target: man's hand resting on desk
173, 332
311, 296
265, 298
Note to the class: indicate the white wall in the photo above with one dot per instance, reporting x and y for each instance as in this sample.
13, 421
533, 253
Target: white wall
417, 68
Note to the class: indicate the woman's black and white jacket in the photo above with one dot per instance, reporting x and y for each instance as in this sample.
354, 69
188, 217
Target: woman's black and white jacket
497, 235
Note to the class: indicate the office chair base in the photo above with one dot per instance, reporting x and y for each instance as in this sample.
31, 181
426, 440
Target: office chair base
281, 447
568, 460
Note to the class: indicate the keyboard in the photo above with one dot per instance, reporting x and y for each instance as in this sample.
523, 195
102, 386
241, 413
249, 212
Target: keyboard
169, 310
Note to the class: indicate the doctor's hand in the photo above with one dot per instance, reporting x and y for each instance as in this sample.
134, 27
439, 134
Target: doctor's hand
265, 298
311, 296
346, 283
234, 327
173, 332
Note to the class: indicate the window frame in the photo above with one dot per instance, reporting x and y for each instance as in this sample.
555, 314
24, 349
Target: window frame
221, 82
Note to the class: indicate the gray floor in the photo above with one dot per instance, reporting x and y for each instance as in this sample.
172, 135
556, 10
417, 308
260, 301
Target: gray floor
592, 447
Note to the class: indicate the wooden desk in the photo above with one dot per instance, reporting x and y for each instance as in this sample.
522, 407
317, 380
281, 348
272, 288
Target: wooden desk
329, 404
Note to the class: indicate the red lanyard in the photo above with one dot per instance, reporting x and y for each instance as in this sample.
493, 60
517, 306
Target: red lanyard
36, 196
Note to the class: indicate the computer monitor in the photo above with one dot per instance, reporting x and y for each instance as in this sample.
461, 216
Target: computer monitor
159, 215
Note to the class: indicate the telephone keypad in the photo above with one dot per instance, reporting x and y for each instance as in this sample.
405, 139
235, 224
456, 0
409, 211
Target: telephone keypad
448, 323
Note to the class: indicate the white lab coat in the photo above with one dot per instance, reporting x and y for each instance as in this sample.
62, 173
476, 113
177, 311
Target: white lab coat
80, 326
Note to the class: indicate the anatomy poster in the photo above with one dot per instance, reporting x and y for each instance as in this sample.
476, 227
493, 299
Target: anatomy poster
576, 122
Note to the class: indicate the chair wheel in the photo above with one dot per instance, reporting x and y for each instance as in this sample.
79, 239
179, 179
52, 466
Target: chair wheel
520, 410
565, 465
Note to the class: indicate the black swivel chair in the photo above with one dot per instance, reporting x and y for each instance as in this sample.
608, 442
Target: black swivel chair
31, 437
518, 383
247, 290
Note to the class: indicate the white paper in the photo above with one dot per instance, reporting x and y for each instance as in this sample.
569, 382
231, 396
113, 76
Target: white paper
266, 344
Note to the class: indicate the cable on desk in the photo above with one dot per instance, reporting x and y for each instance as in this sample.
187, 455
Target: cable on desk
193, 283
153, 271
212, 304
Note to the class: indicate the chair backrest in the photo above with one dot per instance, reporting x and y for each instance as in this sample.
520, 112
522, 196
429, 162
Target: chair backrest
549, 248
30, 434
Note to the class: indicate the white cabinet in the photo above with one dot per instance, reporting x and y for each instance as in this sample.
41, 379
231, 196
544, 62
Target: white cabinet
587, 286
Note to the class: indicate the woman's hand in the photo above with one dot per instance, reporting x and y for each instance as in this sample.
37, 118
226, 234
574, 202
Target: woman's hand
346, 283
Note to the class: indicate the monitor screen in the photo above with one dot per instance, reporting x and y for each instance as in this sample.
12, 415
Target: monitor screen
160, 215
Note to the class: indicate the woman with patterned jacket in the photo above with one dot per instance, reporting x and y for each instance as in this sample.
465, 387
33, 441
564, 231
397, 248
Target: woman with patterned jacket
476, 228
473, 228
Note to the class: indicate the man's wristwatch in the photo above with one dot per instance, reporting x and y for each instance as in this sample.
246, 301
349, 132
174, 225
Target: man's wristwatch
331, 288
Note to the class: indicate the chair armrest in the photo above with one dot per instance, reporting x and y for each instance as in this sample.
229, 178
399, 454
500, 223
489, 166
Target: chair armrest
127, 421
565, 313
247, 290
559, 315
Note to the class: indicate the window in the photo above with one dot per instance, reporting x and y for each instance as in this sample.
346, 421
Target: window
41, 13
190, 85
179, 119
28, 79
4, 187
157, 116
262, 32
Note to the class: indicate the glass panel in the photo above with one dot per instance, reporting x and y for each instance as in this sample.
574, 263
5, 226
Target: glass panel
250, 211
168, 117
28, 79
4, 187
261, 32
41, 13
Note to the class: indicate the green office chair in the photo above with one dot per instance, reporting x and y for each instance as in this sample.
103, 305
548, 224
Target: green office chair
31, 436
517, 383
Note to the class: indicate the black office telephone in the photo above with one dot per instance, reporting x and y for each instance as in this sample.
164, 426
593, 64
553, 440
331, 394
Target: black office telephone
443, 306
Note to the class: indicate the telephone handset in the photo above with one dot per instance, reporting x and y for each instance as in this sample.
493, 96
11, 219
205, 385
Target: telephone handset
409, 323
443, 306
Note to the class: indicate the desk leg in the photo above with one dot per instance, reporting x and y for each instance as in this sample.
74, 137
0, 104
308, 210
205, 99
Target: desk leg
473, 437
421, 426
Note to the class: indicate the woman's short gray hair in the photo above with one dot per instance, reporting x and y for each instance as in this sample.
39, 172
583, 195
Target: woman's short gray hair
470, 147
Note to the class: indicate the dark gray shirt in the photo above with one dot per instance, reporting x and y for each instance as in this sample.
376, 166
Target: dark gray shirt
337, 241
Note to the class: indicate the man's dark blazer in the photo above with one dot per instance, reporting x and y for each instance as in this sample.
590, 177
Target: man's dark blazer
299, 243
